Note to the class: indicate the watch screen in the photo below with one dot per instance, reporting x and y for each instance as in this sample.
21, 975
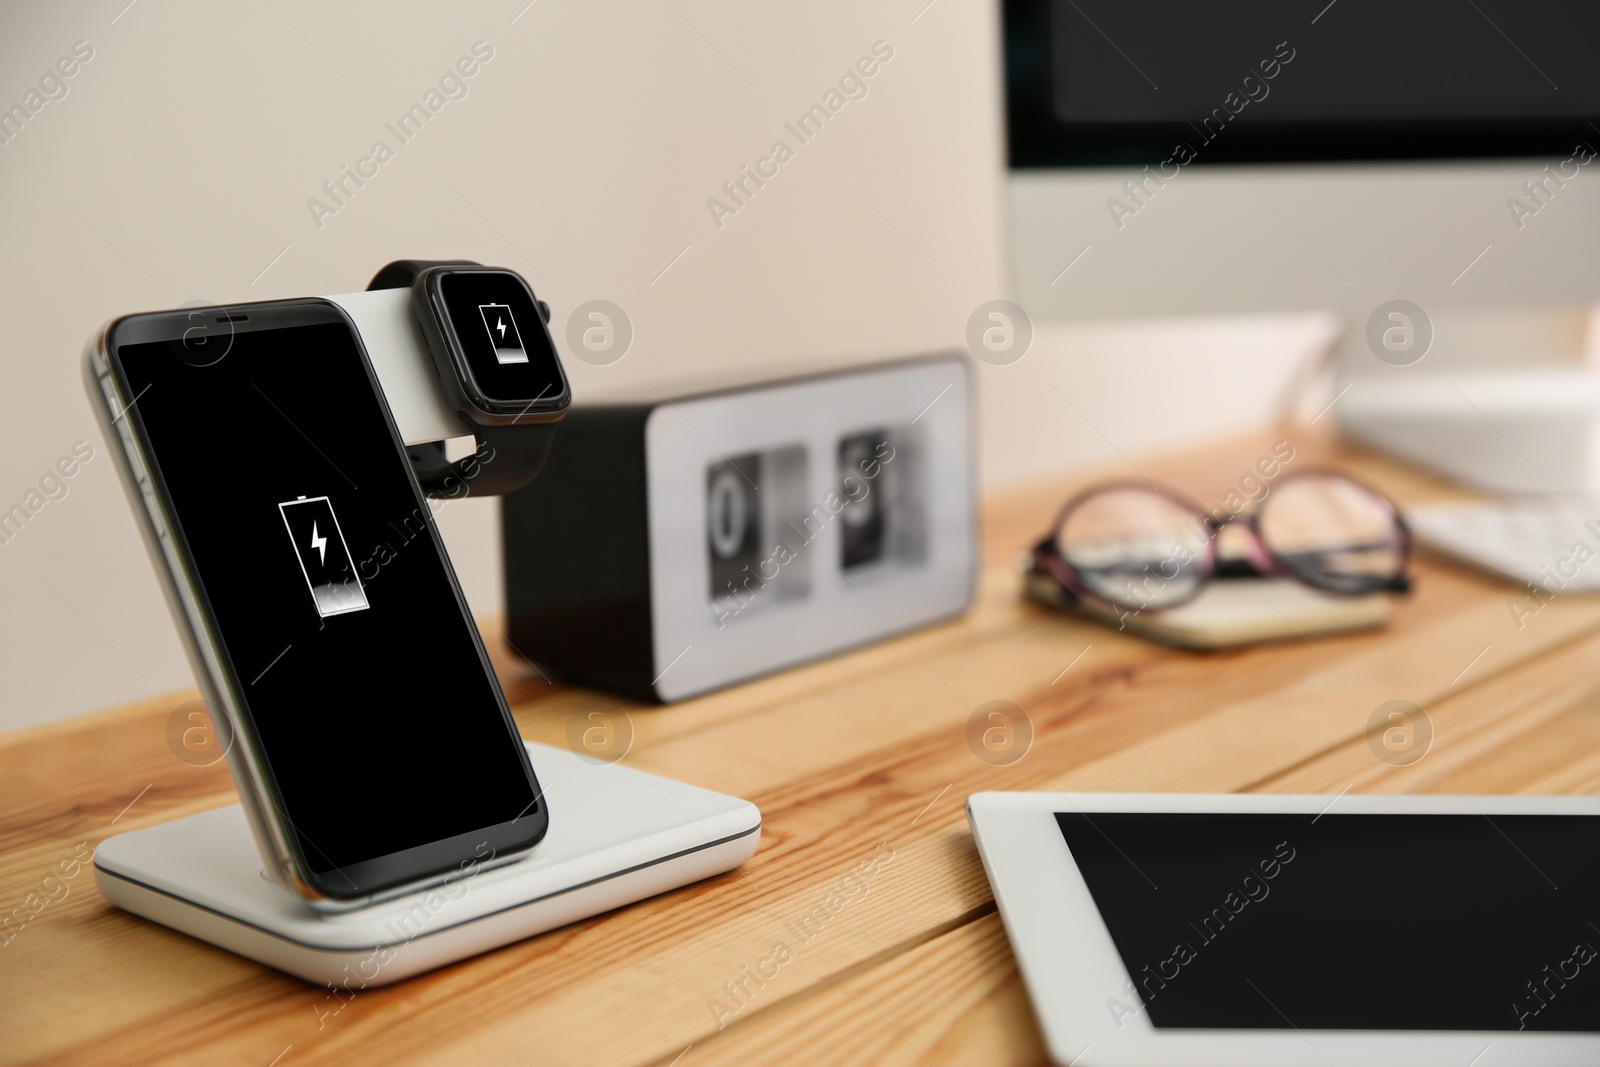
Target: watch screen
503, 339
1348, 921
378, 717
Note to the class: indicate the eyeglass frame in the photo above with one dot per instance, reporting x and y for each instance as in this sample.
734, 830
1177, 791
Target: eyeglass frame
1258, 561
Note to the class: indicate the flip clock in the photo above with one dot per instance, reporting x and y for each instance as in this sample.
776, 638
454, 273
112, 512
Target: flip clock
683, 540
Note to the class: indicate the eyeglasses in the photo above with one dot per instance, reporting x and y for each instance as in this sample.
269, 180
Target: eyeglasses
1143, 547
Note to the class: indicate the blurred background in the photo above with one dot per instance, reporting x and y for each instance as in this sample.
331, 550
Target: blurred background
197, 152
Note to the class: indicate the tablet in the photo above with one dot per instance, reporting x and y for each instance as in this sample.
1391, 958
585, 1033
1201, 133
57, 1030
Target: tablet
1166, 929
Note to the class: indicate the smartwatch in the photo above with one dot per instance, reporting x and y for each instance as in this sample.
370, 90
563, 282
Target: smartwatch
489, 339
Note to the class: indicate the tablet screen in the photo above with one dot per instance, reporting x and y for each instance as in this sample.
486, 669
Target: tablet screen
1370, 922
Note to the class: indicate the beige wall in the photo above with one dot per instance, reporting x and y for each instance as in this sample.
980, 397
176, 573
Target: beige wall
180, 162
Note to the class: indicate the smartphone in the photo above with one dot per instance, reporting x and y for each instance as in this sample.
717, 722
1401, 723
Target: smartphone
370, 742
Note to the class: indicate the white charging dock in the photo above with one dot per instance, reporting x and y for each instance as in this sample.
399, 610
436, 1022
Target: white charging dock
616, 836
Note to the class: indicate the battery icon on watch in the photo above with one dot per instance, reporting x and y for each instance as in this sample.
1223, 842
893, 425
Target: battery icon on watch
503, 333
324, 557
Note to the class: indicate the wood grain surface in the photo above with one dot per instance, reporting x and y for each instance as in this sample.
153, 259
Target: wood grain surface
866, 753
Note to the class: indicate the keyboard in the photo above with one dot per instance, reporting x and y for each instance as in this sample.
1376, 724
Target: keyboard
1553, 542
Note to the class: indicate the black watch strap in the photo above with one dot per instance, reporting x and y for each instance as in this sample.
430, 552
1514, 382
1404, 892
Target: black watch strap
507, 457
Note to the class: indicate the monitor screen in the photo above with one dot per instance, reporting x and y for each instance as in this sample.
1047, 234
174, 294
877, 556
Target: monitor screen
1103, 82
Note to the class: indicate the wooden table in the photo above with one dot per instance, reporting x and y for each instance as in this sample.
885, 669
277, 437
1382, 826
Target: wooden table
859, 754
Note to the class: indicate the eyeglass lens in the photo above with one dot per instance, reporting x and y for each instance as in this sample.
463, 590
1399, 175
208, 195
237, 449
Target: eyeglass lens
1136, 547
1332, 533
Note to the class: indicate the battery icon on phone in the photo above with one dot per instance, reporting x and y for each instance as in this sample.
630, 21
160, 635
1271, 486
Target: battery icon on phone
503, 333
324, 557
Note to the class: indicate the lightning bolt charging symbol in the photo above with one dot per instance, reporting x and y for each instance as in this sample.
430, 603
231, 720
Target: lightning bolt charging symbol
500, 324
320, 544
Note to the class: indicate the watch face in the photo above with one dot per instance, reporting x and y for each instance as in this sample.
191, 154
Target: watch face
501, 337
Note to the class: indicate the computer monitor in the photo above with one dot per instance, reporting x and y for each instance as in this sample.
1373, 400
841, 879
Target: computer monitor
1183, 157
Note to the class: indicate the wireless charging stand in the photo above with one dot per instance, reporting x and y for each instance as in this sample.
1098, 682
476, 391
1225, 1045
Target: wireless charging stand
616, 836
399, 357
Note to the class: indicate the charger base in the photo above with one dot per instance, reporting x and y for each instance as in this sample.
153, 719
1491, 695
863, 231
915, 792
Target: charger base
616, 836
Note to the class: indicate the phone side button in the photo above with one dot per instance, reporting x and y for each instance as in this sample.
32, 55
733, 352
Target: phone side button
110, 392
136, 464
153, 508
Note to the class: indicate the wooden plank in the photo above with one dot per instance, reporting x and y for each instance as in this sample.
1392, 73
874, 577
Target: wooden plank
1535, 729
956, 999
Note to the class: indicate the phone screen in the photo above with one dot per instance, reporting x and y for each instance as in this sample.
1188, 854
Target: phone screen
379, 719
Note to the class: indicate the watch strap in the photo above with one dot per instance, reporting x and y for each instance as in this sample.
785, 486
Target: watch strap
403, 273
506, 459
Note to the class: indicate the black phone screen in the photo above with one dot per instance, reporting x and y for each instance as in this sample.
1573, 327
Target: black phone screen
378, 716
1349, 921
